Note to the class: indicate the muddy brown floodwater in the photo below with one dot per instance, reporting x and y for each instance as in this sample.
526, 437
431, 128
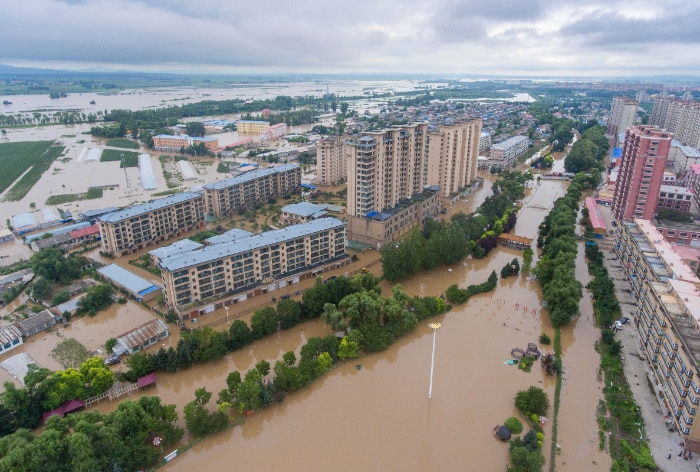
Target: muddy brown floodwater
374, 413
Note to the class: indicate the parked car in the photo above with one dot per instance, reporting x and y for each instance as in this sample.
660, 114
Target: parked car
113, 359
624, 320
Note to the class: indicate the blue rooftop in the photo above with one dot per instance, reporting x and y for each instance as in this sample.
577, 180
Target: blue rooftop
305, 209
250, 175
126, 279
250, 243
136, 210
229, 236
178, 247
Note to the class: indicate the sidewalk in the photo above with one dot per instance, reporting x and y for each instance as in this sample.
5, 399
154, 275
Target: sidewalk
640, 377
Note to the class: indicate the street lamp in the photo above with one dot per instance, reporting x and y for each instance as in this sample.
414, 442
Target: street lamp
434, 326
226, 314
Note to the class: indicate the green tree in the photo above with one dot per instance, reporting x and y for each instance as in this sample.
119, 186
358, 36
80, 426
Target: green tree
195, 128
239, 335
263, 322
55, 266
60, 297
532, 400
96, 298
288, 312
41, 289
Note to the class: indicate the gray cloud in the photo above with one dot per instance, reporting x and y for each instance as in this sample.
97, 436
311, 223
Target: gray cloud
468, 36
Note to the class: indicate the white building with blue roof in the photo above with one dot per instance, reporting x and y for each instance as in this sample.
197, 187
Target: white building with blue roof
136, 286
251, 188
131, 229
247, 263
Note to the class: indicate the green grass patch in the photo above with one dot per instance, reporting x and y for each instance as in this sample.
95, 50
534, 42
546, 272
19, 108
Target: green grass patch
20, 189
123, 143
92, 194
16, 158
130, 158
70, 353
557, 401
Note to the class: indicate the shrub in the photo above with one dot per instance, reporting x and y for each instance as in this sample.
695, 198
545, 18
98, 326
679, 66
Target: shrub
514, 425
544, 339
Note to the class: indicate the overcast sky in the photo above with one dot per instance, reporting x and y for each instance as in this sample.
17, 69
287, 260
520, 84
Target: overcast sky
484, 37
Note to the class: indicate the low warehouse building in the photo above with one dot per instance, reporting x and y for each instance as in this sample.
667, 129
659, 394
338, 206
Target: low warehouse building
138, 287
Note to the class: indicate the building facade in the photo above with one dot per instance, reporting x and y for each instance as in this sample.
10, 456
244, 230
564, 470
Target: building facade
331, 164
675, 198
385, 167
641, 172
226, 269
377, 228
274, 132
251, 188
302, 212
622, 114
484, 141
131, 229
251, 126
667, 321
453, 156
166, 142
680, 117
10, 338
509, 150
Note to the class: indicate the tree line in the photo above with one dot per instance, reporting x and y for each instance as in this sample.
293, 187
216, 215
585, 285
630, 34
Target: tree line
556, 269
439, 243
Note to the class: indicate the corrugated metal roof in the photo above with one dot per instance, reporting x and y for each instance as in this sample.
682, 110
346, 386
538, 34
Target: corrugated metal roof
136, 210
305, 209
125, 278
20, 220
217, 251
251, 175
35, 321
229, 236
138, 336
57, 230
8, 334
178, 247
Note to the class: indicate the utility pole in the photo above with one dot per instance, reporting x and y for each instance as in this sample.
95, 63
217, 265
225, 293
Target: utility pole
126, 176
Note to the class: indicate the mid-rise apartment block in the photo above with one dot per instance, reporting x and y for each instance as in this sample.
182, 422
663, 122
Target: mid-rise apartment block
680, 117
131, 229
251, 126
251, 188
667, 322
484, 141
641, 172
172, 143
509, 150
245, 263
274, 132
331, 164
675, 198
683, 157
622, 114
453, 156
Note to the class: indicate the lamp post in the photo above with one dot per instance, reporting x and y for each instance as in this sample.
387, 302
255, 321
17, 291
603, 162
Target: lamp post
434, 326
226, 315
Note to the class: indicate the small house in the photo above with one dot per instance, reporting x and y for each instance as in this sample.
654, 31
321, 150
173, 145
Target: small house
35, 323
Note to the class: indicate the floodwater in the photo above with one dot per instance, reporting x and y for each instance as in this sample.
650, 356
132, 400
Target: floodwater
376, 409
372, 413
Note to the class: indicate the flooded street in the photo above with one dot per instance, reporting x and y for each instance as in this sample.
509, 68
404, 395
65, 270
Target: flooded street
372, 413
376, 408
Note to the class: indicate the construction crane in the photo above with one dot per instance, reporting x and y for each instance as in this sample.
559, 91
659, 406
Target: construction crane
126, 176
